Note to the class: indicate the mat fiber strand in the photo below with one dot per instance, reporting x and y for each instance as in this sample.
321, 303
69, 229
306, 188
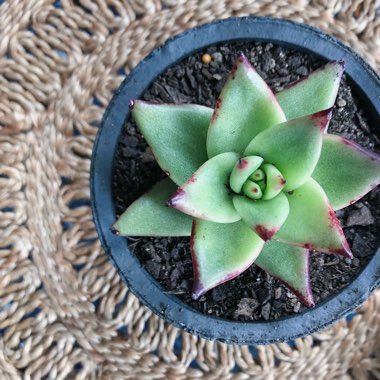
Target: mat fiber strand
63, 311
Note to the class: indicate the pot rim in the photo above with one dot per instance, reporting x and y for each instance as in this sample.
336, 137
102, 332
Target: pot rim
149, 291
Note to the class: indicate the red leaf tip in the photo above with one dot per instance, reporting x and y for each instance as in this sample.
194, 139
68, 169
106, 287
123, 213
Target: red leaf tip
243, 59
176, 198
264, 232
345, 251
198, 290
322, 118
242, 164
306, 298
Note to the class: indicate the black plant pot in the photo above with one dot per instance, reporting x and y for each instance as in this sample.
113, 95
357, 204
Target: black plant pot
168, 306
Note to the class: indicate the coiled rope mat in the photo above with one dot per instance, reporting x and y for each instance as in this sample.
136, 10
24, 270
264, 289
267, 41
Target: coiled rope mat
63, 311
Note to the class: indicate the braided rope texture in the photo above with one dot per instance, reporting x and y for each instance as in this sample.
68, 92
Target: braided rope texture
64, 312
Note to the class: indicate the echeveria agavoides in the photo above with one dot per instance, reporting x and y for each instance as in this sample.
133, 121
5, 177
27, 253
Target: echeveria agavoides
259, 178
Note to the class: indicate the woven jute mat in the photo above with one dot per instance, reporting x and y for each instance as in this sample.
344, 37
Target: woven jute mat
64, 312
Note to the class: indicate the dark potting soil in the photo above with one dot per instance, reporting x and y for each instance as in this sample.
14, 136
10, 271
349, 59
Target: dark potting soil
254, 295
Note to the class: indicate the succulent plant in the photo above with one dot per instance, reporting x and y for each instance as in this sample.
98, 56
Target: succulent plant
259, 178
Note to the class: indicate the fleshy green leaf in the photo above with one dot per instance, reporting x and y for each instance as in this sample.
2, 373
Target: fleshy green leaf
275, 182
346, 171
217, 257
314, 93
290, 265
257, 176
150, 216
246, 106
252, 190
312, 222
264, 217
293, 147
205, 195
176, 134
242, 170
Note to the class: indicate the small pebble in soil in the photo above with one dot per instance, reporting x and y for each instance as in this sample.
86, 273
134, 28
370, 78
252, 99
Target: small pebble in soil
206, 58
246, 307
360, 217
217, 57
341, 103
265, 311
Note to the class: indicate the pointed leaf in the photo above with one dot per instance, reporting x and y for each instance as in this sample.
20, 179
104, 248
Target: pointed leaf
220, 252
312, 223
242, 170
264, 217
176, 134
275, 182
150, 216
246, 106
293, 147
205, 195
346, 171
313, 93
290, 265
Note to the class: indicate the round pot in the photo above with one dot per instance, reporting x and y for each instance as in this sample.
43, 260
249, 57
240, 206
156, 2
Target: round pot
139, 281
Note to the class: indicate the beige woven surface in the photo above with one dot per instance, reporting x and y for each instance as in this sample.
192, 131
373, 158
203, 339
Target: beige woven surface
62, 305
